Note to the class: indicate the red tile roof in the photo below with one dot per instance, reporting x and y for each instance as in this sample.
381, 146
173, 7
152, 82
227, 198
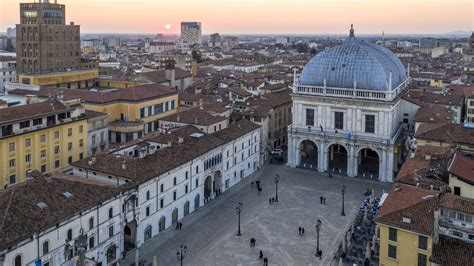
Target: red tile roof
452, 252
29, 111
462, 167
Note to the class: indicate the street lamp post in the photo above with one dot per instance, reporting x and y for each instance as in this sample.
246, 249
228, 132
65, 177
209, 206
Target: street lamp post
318, 227
277, 180
181, 253
343, 191
238, 209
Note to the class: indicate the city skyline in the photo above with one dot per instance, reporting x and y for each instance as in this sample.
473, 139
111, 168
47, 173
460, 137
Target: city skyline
282, 17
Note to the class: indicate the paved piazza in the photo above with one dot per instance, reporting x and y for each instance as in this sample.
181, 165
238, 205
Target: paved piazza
210, 232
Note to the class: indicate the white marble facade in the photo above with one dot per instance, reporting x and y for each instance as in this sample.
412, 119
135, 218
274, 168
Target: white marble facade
322, 133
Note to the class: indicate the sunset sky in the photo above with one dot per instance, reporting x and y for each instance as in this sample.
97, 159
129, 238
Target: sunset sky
262, 16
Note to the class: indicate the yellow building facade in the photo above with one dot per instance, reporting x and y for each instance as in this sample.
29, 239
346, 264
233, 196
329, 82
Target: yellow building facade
76, 79
43, 148
406, 247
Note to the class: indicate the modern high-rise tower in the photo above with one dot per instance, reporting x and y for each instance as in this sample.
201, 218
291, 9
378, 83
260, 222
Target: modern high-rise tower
44, 42
191, 32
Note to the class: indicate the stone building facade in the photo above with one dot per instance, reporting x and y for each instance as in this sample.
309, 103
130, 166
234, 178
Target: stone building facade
347, 117
44, 42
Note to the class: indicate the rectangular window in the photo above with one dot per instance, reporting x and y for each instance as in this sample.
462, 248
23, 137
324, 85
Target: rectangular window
43, 154
370, 123
43, 138
12, 163
56, 149
28, 142
12, 179
392, 251
57, 164
81, 129
422, 259
11, 146
142, 112
69, 132
69, 146
56, 134
457, 191
162, 203
174, 195
91, 242
197, 182
28, 158
37, 121
422, 242
24, 124
111, 231
339, 120
310, 117
186, 189
392, 234
81, 143
43, 168
147, 210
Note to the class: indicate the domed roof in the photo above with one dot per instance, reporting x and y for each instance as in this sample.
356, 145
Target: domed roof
367, 65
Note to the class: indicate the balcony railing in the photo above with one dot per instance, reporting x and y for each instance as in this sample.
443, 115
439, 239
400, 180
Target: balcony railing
344, 134
352, 93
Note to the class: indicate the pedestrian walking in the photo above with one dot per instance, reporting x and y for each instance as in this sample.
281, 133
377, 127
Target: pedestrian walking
302, 231
265, 261
299, 230
270, 201
321, 200
273, 200
261, 255
180, 226
324, 201
252, 184
177, 225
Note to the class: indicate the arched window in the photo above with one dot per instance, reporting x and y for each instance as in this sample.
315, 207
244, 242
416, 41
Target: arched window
18, 260
147, 234
69, 234
91, 223
111, 213
45, 247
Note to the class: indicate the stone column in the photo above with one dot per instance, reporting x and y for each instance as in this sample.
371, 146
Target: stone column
350, 161
325, 159
321, 148
389, 171
290, 161
356, 164
382, 164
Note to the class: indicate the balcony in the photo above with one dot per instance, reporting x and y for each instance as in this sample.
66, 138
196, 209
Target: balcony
344, 134
126, 126
352, 93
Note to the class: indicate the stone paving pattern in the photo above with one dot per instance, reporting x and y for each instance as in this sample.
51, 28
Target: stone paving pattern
210, 232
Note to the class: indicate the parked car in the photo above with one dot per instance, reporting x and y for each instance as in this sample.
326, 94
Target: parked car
276, 152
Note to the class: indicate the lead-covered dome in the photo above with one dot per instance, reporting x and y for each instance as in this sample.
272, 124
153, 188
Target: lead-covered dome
367, 65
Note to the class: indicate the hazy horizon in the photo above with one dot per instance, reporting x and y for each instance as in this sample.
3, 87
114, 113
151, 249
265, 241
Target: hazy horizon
297, 17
